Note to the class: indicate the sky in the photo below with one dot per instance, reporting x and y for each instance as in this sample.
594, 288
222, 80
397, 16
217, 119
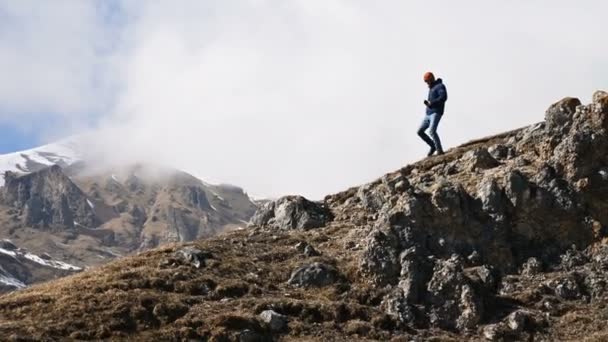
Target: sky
286, 97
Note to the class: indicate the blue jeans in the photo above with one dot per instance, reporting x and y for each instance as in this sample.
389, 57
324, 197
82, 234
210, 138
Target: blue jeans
431, 121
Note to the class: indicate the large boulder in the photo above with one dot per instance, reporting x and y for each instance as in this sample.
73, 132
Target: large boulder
454, 302
314, 275
292, 212
560, 114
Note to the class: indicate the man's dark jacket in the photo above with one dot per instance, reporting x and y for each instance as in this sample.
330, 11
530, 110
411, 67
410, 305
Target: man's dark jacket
438, 94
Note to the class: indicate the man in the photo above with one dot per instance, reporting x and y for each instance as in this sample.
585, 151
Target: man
435, 105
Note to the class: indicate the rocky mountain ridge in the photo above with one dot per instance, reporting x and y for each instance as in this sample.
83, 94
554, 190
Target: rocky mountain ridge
86, 217
503, 238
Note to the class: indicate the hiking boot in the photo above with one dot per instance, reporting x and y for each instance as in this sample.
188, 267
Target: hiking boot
431, 152
440, 153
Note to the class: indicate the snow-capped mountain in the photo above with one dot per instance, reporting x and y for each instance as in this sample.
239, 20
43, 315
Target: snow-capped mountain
63, 153
53, 203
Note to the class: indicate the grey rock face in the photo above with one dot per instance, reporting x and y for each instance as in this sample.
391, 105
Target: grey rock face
275, 321
192, 256
480, 159
381, 257
292, 212
397, 306
314, 275
566, 288
559, 115
49, 199
454, 303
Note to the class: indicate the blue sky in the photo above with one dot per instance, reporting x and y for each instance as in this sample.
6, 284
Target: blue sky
15, 139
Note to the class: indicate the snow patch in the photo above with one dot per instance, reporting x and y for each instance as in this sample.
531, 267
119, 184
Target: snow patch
61, 152
52, 263
7, 252
212, 207
10, 281
115, 179
90, 204
217, 195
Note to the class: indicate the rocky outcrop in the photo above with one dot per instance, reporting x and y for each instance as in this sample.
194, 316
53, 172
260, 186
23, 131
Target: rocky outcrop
292, 212
48, 199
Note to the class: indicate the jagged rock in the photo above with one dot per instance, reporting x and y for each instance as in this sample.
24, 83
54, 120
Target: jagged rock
572, 258
380, 258
415, 273
501, 152
397, 306
531, 267
595, 284
49, 199
491, 196
454, 303
292, 212
196, 197
7, 245
373, 197
314, 275
517, 320
275, 321
479, 159
306, 249
599, 96
192, 256
494, 332
559, 115
566, 288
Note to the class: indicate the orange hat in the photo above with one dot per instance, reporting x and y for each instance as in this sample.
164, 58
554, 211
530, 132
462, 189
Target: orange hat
428, 76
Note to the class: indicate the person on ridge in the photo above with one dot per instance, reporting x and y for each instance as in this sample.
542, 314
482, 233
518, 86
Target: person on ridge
435, 106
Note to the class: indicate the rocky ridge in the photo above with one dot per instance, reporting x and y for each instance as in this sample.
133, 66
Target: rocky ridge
88, 218
503, 238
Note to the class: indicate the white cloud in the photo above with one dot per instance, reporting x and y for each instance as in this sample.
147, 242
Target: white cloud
312, 97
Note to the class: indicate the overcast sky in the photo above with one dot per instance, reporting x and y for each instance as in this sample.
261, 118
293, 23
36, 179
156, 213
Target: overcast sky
292, 96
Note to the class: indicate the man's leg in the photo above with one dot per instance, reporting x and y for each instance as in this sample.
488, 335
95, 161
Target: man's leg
426, 122
435, 118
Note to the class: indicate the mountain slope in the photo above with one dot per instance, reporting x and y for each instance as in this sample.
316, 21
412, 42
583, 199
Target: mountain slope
476, 244
87, 215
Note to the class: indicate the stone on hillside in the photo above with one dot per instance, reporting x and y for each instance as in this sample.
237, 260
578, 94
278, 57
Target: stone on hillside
380, 258
560, 114
192, 256
517, 320
531, 267
292, 212
572, 258
374, 196
494, 332
276, 322
500, 152
479, 159
415, 273
491, 196
599, 95
454, 302
306, 249
397, 306
314, 275
565, 288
